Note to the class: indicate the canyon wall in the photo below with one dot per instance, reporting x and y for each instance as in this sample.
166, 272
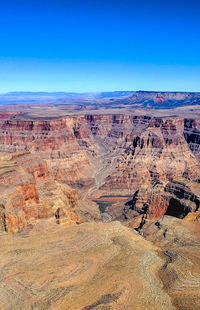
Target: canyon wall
27, 194
155, 160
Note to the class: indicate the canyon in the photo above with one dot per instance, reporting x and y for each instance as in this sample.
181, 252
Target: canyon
113, 188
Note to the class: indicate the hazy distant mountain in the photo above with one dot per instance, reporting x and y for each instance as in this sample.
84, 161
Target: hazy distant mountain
34, 97
115, 99
31, 97
159, 100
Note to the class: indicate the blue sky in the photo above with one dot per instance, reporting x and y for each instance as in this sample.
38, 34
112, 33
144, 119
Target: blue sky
99, 45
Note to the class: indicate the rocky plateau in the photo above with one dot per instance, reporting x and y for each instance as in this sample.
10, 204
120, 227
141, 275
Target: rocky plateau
114, 193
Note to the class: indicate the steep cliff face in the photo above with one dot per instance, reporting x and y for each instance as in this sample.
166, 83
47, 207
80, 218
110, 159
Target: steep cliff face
54, 141
152, 153
192, 136
109, 155
27, 195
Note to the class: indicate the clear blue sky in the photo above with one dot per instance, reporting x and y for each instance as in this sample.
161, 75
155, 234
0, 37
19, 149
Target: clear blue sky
99, 45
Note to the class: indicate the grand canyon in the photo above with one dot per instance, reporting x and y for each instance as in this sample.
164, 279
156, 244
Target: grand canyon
100, 201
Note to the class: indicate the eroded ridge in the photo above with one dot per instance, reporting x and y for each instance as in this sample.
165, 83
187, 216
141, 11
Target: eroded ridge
88, 266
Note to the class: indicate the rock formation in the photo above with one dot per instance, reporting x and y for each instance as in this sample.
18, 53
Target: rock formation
179, 244
87, 266
28, 195
157, 100
107, 155
142, 169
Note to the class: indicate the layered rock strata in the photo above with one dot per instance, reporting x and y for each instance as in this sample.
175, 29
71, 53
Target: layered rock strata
112, 155
27, 195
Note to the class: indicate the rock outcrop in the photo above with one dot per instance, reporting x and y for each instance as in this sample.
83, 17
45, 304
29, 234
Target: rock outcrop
87, 266
27, 195
178, 242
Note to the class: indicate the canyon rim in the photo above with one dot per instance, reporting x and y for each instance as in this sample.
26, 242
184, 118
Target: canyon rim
103, 191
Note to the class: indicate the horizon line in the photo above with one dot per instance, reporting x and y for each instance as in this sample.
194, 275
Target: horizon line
95, 92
